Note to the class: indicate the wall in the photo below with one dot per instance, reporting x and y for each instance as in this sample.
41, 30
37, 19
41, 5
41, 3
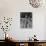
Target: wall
12, 8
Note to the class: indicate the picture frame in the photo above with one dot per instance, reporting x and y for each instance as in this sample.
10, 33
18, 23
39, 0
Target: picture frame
25, 19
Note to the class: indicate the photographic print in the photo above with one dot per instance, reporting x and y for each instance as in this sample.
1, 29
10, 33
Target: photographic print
26, 19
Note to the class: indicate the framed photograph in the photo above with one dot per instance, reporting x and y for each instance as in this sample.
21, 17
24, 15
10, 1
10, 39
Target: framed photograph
26, 19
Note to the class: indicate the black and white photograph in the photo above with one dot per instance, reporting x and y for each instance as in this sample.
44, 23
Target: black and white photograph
26, 19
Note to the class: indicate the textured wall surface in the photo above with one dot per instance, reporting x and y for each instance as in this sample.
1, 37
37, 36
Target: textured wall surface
12, 8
